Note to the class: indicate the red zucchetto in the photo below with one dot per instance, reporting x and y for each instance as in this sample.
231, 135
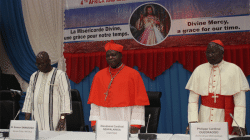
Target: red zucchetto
218, 42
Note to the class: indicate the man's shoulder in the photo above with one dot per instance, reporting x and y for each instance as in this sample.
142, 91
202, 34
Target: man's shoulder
59, 71
102, 71
230, 65
34, 73
201, 67
126, 70
130, 70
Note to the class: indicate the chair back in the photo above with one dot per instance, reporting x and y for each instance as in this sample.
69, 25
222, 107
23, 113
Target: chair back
8, 109
154, 109
75, 121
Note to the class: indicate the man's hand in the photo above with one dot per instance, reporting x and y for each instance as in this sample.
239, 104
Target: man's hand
27, 116
61, 123
93, 128
187, 129
133, 130
237, 131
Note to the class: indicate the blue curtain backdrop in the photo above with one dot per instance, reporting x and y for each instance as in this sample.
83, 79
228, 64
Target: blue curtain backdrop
171, 83
15, 38
174, 100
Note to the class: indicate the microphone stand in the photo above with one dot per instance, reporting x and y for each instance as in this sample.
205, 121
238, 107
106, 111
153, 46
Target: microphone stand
17, 114
6, 134
146, 135
241, 134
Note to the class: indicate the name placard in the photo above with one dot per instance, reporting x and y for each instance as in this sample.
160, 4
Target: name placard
23, 129
112, 130
208, 131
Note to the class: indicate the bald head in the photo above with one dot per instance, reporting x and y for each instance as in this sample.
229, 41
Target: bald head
43, 62
42, 55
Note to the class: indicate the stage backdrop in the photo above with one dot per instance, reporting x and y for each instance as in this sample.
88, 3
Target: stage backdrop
155, 34
144, 24
171, 82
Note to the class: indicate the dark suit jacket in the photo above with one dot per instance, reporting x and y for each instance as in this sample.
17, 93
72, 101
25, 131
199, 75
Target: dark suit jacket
8, 82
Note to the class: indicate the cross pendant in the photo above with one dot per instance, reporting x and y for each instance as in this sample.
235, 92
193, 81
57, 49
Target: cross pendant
106, 93
215, 97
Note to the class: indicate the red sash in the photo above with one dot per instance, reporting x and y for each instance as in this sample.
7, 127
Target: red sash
222, 102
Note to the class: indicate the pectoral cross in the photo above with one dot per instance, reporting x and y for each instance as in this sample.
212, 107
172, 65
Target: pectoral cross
112, 78
106, 93
215, 97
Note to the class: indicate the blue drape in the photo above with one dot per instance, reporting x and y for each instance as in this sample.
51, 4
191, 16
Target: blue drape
15, 38
174, 100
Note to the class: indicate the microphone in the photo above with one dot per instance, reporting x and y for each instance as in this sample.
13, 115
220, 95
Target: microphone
6, 134
147, 136
17, 91
148, 123
17, 114
236, 123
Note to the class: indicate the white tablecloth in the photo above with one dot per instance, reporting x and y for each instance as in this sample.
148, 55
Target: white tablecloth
67, 135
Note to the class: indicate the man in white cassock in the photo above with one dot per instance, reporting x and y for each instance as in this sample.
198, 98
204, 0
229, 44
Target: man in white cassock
48, 96
222, 86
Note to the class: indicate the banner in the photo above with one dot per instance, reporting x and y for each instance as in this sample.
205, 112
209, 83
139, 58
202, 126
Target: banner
144, 24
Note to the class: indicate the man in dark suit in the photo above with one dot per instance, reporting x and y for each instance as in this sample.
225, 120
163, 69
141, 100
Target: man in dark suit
9, 82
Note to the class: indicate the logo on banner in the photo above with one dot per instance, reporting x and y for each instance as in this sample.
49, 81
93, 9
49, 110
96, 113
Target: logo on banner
150, 24
82, 2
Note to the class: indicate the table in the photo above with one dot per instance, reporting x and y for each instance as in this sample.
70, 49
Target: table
69, 135
66, 135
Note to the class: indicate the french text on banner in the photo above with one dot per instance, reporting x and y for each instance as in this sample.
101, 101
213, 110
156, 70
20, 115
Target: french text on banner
101, 33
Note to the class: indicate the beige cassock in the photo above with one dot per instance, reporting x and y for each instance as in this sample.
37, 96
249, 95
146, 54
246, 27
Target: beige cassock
224, 78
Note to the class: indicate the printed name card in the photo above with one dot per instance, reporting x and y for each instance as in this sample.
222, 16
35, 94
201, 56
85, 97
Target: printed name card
112, 130
23, 129
208, 131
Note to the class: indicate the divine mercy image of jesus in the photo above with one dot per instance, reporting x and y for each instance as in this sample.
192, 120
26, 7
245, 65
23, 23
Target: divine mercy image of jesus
150, 24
